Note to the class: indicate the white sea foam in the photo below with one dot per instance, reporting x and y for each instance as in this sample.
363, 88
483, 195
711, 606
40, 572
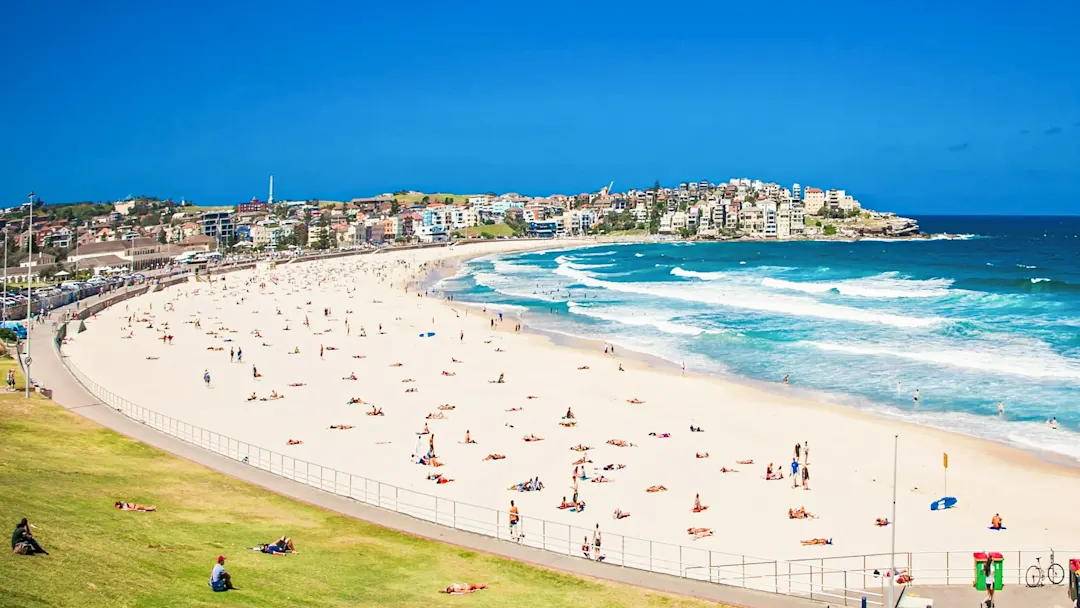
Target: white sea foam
663, 323
881, 286
1014, 361
693, 274
748, 298
639, 255
1039, 280
590, 254
1025, 266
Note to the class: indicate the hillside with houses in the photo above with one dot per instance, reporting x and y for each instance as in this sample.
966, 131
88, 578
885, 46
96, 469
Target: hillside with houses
143, 232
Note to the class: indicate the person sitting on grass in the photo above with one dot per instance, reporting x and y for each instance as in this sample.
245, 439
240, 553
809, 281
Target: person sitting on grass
23, 541
220, 580
131, 506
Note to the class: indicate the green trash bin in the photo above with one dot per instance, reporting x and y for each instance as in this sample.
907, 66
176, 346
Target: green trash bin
997, 566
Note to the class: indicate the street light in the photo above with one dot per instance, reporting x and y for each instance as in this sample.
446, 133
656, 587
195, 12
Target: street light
29, 294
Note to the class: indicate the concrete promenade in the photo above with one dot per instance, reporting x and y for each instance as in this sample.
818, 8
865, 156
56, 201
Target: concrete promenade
49, 371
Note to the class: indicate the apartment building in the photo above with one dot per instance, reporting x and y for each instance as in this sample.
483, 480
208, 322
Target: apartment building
814, 201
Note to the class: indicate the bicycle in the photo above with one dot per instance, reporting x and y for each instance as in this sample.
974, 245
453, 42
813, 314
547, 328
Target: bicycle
1036, 576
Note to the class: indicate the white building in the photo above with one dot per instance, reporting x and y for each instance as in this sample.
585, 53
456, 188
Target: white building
813, 201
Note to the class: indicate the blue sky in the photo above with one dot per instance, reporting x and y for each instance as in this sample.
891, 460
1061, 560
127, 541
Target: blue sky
929, 107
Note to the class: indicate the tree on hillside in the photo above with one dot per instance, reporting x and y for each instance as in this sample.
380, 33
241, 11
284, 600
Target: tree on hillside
324, 232
658, 209
161, 237
300, 234
395, 207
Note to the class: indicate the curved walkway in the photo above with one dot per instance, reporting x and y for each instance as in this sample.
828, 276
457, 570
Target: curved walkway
49, 371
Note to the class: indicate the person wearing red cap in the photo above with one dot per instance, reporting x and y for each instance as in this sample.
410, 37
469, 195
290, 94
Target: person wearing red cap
219, 578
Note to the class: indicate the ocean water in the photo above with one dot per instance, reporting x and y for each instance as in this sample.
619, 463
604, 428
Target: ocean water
992, 314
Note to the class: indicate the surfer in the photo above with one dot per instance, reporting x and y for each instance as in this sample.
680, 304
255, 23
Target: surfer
916, 398
1001, 409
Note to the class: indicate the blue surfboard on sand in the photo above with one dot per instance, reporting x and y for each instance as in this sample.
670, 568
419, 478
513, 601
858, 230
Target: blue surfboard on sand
943, 503
427, 335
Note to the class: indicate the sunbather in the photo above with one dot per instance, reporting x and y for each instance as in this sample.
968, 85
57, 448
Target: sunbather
701, 455
580, 448
494, 457
435, 416
881, 522
293, 442
816, 541
698, 507
635, 401
602, 479
463, 588
447, 407
446, 373
351, 376
131, 506
375, 411
530, 438
564, 504
751, 461
622, 443
341, 427
727, 470
612, 467
699, 533
620, 514
660, 435
656, 489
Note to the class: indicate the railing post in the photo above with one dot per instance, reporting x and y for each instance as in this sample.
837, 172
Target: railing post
454, 514
744, 571
682, 572
946, 567
622, 550
650, 557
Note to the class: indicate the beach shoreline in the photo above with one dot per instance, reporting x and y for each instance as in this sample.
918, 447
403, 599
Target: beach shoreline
853, 450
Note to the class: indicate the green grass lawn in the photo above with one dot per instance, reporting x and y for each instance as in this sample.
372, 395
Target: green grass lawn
494, 230
438, 197
64, 473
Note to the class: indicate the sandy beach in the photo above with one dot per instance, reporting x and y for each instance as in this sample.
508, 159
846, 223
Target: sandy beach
308, 329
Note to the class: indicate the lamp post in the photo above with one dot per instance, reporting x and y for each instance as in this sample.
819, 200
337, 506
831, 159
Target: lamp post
892, 548
3, 305
29, 294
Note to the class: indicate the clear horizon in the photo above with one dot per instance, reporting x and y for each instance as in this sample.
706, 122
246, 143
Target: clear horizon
913, 112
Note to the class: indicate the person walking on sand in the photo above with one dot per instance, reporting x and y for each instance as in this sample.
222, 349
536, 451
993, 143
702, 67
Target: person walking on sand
797, 448
806, 453
596, 540
805, 477
514, 521
232, 354
239, 355
794, 473
206, 377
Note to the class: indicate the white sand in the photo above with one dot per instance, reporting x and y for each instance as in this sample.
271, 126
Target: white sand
851, 452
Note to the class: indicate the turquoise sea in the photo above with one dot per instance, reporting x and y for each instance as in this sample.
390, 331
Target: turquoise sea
989, 315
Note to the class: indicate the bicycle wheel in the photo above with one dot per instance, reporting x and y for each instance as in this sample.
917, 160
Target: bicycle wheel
1034, 576
1056, 573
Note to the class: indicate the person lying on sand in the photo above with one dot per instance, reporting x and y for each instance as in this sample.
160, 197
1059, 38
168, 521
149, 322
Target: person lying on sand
293, 442
408, 380
881, 522
252, 397
620, 514
396, 364
341, 427
602, 479
568, 423
532, 397
463, 588
351, 376
701, 455
699, 533
816, 541
583, 367
151, 358
331, 347
435, 416
515, 409
635, 401
453, 360
295, 384
580, 448
696, 429
494, 457
275, 395
800, 513
359, 356
727, 470
585, 458
613, 467
622, 443
656, 489
698, 507
564, 504
530, 438
430, 461
499, 350
438, 478
354, 401
446, 373
447, 407
751, 461
660, 435
132, 506
412, 390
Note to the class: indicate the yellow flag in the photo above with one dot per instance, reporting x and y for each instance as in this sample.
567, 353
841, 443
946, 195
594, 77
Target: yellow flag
946, 459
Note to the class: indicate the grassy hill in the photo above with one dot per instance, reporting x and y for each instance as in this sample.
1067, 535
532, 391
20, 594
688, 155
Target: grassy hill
494, 230
438, 197
64, 473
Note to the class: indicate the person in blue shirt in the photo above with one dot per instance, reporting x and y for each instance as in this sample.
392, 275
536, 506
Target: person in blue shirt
220, 580
794, 473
